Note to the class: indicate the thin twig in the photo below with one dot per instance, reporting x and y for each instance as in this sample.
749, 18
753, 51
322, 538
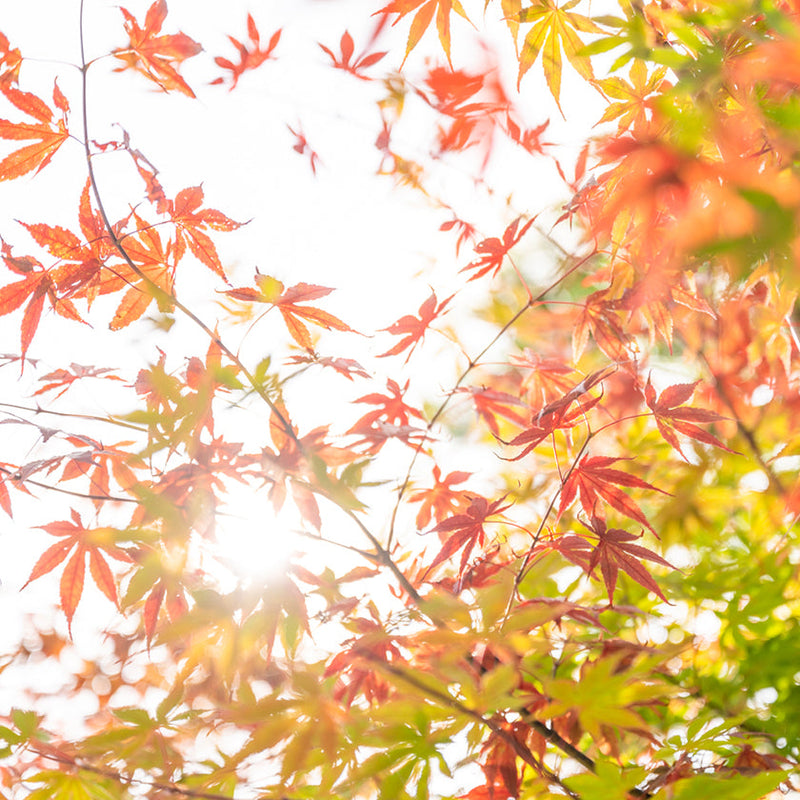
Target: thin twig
471, 364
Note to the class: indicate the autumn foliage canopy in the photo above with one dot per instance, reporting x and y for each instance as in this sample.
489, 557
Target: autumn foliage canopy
517, 523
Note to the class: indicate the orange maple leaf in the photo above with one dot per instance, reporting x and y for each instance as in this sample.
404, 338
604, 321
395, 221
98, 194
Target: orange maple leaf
270, 290
37, 284
422, 19
79, 541
156, 274
190, 220
49, 135
155, 56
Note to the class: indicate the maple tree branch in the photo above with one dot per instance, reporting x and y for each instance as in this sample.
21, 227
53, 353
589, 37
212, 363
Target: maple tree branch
745, 432
106, 772
92, 417
456, 705
153, 287
471, 364
382, 554
13, 475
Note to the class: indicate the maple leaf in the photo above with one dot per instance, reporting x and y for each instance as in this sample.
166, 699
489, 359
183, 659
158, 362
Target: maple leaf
466, 231
37, 284
10, 62
530, 139
545, 378
633, 105
344, 366
414, 328
347, 48
293, 313
555, 28
156, 266
270, 290
491, 404
422, 19
302, 146
155, 56
49, 135
390, 420
593, 478
671, 415
97, 464
557, 415
601, 319
80, 541
190, 221
355, 665
440, 500
250, 57
466, 530
477, 574
452, 89
62, 378
492, 251
391, 407
615, 549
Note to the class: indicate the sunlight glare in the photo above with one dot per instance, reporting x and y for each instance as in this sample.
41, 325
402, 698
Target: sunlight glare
252, 540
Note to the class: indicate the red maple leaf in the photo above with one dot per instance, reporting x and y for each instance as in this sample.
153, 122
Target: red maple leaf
466, 231
10, 62
36, 286
391, 407
466, 530
155, 263
347, 48
615, 549
251, 55
672, 416
492, 403
593, 478
414, 328
155, 56
492, 251
302, 146
355, 666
